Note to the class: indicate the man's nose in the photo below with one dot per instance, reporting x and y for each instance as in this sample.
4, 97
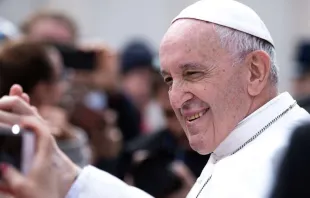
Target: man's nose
178, 95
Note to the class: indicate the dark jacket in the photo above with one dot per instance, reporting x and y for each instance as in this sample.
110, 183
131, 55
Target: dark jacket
153, 174
294, 174
304, 103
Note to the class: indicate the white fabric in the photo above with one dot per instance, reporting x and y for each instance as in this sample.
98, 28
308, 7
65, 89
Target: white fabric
93, 183
249, 173
228, 13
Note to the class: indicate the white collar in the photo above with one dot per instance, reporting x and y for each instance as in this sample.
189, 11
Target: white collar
249, 126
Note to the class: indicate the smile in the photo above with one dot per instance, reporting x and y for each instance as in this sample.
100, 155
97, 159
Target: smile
196, 115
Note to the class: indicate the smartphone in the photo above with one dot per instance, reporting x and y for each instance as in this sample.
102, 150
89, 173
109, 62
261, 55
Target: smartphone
77, 59
17, 147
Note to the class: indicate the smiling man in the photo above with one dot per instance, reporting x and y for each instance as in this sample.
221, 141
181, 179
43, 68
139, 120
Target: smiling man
217, 75
218, 59
219, 62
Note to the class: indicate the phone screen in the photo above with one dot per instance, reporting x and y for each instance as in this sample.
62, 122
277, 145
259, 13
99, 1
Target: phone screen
11, 149
17, 148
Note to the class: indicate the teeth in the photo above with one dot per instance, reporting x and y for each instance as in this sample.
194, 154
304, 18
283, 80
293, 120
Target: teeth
193, 117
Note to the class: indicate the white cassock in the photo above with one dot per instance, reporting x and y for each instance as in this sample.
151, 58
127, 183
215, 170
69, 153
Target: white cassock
244, 165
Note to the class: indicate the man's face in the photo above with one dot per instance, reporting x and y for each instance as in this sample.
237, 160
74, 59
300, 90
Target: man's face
51, 30
137, 84
207, 93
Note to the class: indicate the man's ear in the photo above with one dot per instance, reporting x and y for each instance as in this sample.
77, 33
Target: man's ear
258, 63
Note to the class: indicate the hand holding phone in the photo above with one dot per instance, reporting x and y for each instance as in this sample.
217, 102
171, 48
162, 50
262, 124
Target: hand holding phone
45, 172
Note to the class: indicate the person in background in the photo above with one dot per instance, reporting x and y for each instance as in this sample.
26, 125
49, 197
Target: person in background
301, 82
38, 69
50, 26
103, 82
293, 176
137, 68
163, 148
100, 87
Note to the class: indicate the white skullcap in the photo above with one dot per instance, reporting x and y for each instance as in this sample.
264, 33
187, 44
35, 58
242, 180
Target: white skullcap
228, 13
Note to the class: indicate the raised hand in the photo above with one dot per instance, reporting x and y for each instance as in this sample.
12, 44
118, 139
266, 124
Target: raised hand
51, 173
17, 90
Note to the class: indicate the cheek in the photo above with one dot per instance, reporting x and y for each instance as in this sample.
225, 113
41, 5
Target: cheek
206, 92
137, 84
223, 97
230, 103
55, 92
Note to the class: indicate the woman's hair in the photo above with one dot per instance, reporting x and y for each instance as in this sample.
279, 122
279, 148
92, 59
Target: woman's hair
25, 63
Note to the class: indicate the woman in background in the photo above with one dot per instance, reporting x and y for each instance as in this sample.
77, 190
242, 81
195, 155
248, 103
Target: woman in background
38, 69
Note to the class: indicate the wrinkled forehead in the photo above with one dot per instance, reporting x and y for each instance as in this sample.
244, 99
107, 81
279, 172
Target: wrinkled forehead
188, 40
189, 30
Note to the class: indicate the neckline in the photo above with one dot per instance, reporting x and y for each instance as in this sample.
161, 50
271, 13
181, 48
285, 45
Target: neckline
253, 124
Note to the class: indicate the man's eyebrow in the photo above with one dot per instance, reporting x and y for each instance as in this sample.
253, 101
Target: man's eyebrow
163, 73
186, 66
191, 66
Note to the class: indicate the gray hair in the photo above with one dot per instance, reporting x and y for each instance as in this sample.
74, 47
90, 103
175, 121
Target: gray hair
240, 44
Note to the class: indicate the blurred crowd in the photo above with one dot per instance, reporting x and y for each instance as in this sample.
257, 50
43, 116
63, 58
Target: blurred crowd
109, 107
106, 107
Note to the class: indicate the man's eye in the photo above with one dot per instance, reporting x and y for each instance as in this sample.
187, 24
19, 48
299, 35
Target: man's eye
168, 81
193, 73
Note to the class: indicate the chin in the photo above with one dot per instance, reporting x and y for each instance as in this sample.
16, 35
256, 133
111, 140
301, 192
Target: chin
198, 144
203, 151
